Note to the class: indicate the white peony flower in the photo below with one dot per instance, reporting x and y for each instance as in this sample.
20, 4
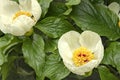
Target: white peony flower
18, 19
115, 7
81, 52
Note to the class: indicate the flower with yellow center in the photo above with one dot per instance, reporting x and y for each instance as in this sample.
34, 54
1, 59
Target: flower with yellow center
18, 19
81, 53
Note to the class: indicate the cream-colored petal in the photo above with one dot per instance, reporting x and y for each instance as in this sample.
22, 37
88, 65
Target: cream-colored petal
36, 9
99, 52
89, 39
4, 23
4, 28
9, 8
67, 43
81, 70
21, 25
3, 2
73, 40
25, 5
5, 19
31, 6
115, 7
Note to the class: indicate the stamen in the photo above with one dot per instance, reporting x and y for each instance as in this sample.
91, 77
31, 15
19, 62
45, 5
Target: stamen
82, 56
19, 13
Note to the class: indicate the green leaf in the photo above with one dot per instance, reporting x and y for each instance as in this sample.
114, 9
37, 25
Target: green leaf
97, 1
105, 74
56, 9
44, 5
33, 52
6, 67
54, 27
6, 42
50, 45
69, 4
54, 68
112, 55
97, 18
2, 58
15, 0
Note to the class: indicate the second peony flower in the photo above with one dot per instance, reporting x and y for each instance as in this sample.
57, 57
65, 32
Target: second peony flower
81, 53
18, 19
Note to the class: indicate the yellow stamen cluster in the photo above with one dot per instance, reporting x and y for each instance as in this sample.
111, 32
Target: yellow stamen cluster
82, 56
19, 13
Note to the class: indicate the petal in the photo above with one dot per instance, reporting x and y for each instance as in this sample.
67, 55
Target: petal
99, 52
25, 5
89, 39
21, 25
36, 9
3, 2
4, 28
31, 6
81, 70
114, 6
4, 22
10, 8
5, 19
67, 44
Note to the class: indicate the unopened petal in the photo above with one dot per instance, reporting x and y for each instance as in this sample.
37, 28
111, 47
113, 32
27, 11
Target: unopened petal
25, 5
21, 25
115, 7
67, 44
31, 6
36, 9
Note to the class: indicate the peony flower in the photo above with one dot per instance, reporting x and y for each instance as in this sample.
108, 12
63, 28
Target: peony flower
115, 7
81, 52
18, 19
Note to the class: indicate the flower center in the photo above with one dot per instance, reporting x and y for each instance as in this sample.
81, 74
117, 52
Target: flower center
82, 56
19, 13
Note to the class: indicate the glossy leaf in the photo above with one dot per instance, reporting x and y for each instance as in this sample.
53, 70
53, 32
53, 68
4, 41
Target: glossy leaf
97, 18
44, 5
50, 45
112, 55
69, 4
54, 27
54, 68
6, 42
33, 51
105, 74
56, 9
